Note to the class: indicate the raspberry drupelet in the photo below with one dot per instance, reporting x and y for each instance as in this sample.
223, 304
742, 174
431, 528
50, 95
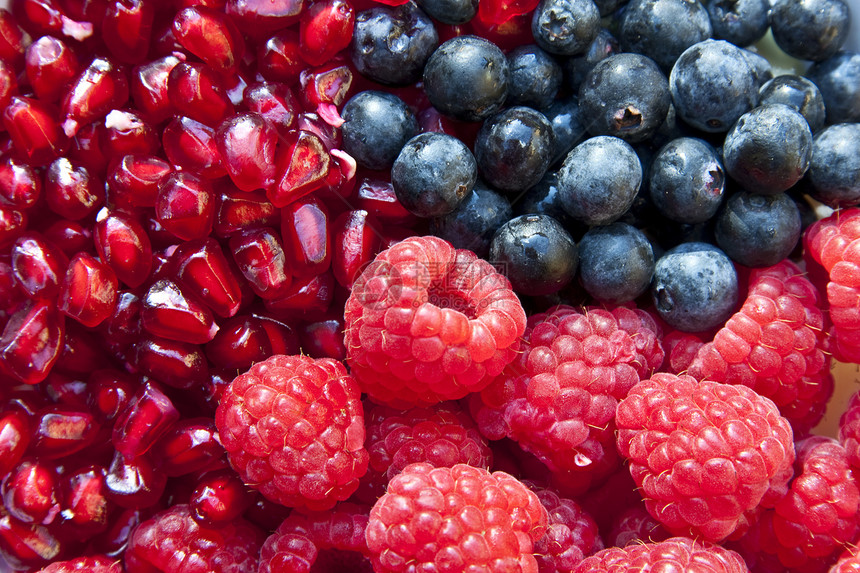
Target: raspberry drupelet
93, 564
571, 534
674, 554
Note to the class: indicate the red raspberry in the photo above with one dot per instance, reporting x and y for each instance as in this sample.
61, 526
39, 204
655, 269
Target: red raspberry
455, 520
443, 435
293, 428
849, 430
681, 349
703, 453
607, 502
571, 534
674, 554
173, 542
558, 399
93, 564
635, 525
317, 541
426, 322
849, 563
773, 345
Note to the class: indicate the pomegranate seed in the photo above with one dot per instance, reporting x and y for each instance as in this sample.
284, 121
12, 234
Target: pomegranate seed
89, 10
86, 148
177, 364
163, 41
83, 500
114, 540
13, 223
203, 270
238, 210
70, 236
340, 182
33, 127
214, 4
279, 58
133, 180
330, 136
195, 91
13, 40
302, 166
146, 417
101, 87
38, 266
262, 16
220, 497
325, 29
209, 35
282, 337
127, 29
27, 547
8, 83
326, 87
306, 231
14, 439
323, 339
208, 393
189, 446
247, 144
30, 492
27, 400
71, 190
65, 390
20, 185
377, 197
185, 205
48, 17
190, 145
123, 326
133, 484
127, 132
356, 240
514, 32
61, 431
170, 313
161, 239
149, 88
109, 391
240, 343
306, 296
50, 66
123, 244
89, 290
260, 256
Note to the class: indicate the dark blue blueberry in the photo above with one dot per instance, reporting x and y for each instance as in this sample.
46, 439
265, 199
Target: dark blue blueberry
544, 199
838, 79
768, 149
625, 95
577, 67
599, 180
467, 78
535, 77
811, 29
433, 174
761, 67
796, 92
536, 253
616, 263
695, 287
712, 85
758, 230
514, 148
567, 124
375, 128
474, 222
741, 22
607, 7
390, 45
452, 12
663, 29
834, 171
687, 181
565, 27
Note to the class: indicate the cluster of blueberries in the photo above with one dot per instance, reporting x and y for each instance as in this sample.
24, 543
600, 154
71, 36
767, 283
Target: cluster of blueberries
633, 149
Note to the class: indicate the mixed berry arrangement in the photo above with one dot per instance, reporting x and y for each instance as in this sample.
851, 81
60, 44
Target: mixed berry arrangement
427, 286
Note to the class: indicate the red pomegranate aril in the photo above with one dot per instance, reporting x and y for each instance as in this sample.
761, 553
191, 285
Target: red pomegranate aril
27, 547
38, 266
323, 339
377, 197
149, 88
113, 541
14, 438
266, 514
13, 40
109, 391
259, 17
86, 148
34, 130
214, 4
89, 290
82, 350
516, 31
61, 431
133, 180
241, 210
325, 88
170, 313
177, 364
71, 190
128, 132
310, 296
279, 59
275, 102
306, 231
247, 143
126, 29
191, 146
11, 293
191, 445
84, 505
241, 342
259, 253
20, 184
123, 244
146, 417
8, 83
101, 87
64, 389
202, 269
302, 166
282, 337
207, 394
30, 491
340, 183
123, 326
13, 223
500, 11
329, 134
50, 66
185, 205
195, 91
209, 35
134, 484
356, 240
70, 237
220, 497
325, 29
48, 16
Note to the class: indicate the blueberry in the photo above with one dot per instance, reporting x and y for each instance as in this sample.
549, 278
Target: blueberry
762, 69
577, 67
834, 171
625, 95
768, 149
536, 254
796, 92
565, 27
663, 29
375, 128
616, 263
599, 180
687, 181
544, 199
758, 230
467, 78
453, 12
712, 85
514, 148
567, 124
695, 287
433, 174
607, 7
390, 45
741, 22
475, 220
838, 79
535, 77
811, 29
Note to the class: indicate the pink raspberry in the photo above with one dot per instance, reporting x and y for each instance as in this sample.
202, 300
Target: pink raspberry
848, 563
849, 430
703, 453
674, 554
681, 349
293, 428
457, 520
426, 322
172, 541
635, 525
93, 564
571, 534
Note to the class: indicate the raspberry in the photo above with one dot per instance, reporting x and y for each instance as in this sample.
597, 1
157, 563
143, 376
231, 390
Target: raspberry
773, 344
426, 322
94, 564
635, 525
674, 554
455, 520
849, 563
318, 539
703, 453
293, 428
443, 436
849, 430
173, 542
571, 534
558, 399
681, 349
